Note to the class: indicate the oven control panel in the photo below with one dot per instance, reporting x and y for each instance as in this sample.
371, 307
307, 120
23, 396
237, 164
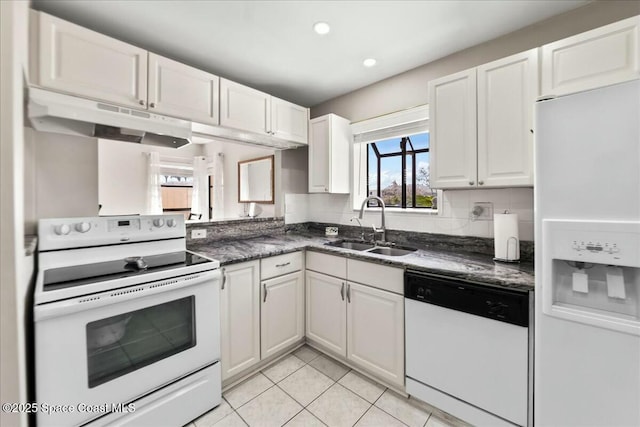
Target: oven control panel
67, 233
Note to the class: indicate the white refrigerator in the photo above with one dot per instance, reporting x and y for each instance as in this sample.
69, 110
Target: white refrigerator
587, 220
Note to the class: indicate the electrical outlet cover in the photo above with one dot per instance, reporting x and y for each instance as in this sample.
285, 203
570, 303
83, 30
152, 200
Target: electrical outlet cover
199, 234
486, 213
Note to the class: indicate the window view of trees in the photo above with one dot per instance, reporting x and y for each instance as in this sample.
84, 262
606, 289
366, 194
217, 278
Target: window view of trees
398, 172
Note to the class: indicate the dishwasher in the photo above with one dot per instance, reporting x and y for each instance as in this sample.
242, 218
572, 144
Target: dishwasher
469, 348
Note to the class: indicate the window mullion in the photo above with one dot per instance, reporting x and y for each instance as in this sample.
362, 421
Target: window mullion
413, 181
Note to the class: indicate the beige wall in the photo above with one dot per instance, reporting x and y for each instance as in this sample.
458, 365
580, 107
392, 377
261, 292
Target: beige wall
409, 89
66, 175
15, 268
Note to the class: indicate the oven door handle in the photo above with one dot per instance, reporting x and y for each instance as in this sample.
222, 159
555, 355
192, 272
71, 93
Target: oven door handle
130, 293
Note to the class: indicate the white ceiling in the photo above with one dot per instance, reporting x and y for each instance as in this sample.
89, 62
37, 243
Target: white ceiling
270, 45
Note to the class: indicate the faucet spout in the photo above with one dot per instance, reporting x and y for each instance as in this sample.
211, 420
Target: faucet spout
382, 222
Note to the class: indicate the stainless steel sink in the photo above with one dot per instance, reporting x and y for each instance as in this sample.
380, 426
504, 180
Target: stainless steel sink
356, 246
390, 251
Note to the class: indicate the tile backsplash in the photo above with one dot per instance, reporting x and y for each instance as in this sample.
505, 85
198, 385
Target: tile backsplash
453, 216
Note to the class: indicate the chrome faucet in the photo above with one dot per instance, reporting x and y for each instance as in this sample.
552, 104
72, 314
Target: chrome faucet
375, 230
360, 224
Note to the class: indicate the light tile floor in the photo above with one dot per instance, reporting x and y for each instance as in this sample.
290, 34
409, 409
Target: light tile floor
310, 389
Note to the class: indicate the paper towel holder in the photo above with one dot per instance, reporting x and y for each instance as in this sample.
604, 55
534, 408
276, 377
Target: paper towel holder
510, 240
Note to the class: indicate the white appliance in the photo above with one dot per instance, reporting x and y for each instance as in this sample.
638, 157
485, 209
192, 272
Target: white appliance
468, 348
587, 217
58, 113
126, 323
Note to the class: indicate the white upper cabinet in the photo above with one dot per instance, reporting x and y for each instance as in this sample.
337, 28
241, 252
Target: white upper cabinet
179, 90
596, 58
244, 108
73, 59
481, 122
329, 153
507, 91
289, 121
452, 106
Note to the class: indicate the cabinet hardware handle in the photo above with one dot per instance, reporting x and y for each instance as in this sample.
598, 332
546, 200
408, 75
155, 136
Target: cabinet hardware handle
480, 182
342, 291
141, 102
349, 293
152, 105
284, 264
264, 286
471, 182
224, 279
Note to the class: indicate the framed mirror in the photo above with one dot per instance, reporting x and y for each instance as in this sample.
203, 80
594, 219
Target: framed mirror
255, 180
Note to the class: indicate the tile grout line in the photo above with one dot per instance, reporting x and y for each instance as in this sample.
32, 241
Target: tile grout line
391, 415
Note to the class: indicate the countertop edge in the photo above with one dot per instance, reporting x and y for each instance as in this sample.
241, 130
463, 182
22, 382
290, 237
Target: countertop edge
317, 244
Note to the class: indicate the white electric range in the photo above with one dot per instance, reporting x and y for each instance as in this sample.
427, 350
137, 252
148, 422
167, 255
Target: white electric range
126, 323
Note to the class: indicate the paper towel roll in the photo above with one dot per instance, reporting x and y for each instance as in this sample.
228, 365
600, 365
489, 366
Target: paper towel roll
507, 239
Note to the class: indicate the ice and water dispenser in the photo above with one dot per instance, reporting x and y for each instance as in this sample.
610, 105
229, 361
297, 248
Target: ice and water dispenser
592, 272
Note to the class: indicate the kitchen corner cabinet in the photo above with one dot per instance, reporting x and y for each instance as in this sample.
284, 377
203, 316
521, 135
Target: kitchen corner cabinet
182, 91
481, 121
240, 317
329, 154
596, 58
248, 109
282, 303
72, 59
363, 322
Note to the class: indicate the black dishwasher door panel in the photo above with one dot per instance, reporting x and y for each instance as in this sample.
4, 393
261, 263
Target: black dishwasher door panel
503, 305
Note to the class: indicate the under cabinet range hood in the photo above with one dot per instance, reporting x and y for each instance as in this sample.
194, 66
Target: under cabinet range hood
58, 113
204, 132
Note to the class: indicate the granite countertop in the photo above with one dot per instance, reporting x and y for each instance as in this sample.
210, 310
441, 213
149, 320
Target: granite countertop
463, 265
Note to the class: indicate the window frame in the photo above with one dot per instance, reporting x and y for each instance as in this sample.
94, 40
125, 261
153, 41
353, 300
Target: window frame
403, 153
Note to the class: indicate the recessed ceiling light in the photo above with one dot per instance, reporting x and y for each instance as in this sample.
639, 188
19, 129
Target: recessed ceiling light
321, 28
369, 62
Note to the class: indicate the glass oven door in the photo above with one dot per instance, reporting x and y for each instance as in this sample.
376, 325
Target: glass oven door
106, 349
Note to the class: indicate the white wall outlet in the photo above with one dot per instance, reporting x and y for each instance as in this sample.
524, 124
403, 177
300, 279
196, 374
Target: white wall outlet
200, 233
481, 211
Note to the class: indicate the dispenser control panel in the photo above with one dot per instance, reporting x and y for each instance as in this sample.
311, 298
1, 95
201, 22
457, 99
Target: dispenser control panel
595, 247
602, 242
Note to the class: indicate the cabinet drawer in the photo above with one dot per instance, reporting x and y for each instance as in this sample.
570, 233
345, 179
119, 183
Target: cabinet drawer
380, 276
328, 264
281, 264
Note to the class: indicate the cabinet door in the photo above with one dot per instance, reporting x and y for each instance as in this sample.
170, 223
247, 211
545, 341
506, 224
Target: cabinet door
282, 313
289, 121
240, 317
244, 108
596, 58
452, 106
507, 90
375, 331
82, 62
182, 91
319, 155
326, 313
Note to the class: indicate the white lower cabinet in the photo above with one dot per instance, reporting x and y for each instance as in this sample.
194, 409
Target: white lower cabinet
281, 314
240, 317
326, 315
362, 323
375, 331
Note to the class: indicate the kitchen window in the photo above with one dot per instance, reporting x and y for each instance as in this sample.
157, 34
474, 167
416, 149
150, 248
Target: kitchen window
391, 160
398, 172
